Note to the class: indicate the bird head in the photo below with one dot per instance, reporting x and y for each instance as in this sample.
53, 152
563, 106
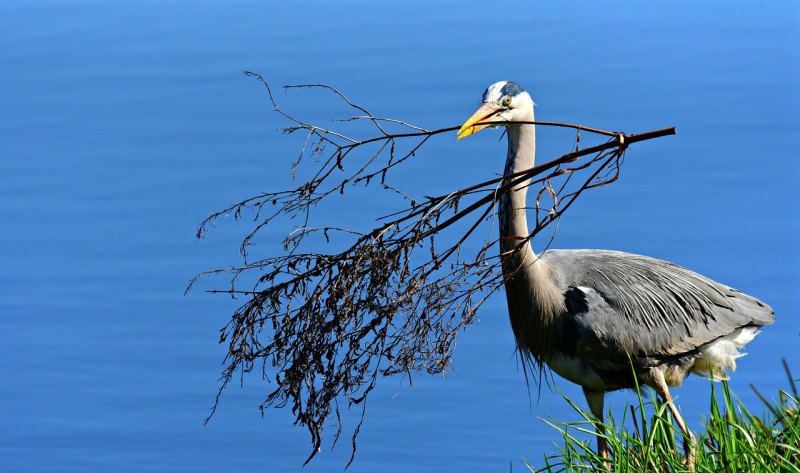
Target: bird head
503, 101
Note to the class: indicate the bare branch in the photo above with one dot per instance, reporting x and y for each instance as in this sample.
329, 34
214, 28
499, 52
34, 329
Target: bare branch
323, 327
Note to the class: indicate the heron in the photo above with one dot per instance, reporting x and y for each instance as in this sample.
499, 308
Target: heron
607, 320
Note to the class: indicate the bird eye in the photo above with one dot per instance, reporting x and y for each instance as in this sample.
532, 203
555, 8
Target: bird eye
507, 101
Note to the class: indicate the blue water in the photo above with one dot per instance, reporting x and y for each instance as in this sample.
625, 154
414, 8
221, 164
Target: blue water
122, 125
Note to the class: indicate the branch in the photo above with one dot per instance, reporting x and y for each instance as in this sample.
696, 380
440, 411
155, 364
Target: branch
325, 326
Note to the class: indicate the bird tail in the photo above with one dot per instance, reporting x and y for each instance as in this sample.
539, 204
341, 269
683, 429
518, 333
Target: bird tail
719, 357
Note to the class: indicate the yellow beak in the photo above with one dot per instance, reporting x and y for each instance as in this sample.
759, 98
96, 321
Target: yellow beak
484, 113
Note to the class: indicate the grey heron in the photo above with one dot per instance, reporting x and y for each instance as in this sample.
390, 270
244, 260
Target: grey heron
596, 317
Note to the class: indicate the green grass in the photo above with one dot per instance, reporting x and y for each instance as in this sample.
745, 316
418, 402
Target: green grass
646, 440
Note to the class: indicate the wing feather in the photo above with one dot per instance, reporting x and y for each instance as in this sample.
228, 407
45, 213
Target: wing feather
621, 303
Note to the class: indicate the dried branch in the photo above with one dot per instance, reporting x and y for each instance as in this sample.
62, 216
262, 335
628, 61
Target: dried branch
325, 326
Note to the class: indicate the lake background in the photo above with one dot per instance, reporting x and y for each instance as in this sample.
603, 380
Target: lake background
124, 124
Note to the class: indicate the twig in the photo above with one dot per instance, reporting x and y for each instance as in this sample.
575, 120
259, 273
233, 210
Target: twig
325, 326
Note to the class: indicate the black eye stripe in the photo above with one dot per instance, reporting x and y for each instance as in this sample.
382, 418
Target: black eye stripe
511, 88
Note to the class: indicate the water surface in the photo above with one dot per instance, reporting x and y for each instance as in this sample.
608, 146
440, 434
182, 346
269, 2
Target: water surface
124, 124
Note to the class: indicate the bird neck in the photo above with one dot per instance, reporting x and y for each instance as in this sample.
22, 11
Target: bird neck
512, 212
534, 301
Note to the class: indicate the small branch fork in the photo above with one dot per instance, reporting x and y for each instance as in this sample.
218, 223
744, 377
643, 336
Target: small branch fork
325, 326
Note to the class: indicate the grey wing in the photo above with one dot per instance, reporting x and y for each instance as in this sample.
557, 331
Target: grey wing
622, 303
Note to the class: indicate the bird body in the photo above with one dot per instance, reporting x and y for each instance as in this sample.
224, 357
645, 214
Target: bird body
621, 308
598, 317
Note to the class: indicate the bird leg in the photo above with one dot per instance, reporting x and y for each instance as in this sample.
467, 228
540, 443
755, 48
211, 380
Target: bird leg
662, 389
595, 401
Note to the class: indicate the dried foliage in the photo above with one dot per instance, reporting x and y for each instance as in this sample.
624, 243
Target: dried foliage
323, 327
